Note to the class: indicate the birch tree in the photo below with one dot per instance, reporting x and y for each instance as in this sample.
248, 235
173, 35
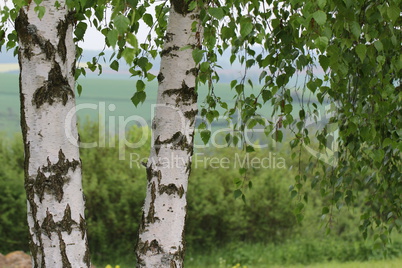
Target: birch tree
46, 54
161, 235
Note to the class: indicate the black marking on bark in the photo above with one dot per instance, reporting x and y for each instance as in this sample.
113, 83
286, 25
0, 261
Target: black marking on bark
157, 145
171, 189
169, 37
193, 71
87, 256
64, 258
173, 264
48, 225
83, 226
160, 77
55, 89
54, 183
67, 222
35, 249
178, 141
24, 34
151, 173
151, 212
190, 115
65, 225
159, 176
184, 96
61, 33
168, 51
73, 68
154, 247
29, 37
143, 247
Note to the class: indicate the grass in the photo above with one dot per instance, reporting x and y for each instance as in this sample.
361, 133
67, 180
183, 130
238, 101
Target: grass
395, 263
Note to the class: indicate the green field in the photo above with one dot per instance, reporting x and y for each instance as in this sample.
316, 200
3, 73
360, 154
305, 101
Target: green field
110, 99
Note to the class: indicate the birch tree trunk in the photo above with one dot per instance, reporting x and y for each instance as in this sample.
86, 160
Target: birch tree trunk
161, 234
52, 163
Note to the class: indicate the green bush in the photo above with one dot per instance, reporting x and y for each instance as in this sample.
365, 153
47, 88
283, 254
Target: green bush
261, 230
13, 212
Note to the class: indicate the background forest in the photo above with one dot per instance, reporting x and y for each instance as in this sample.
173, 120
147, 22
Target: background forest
221, 231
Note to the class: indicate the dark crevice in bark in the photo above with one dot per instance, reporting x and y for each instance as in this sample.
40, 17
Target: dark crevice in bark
56, 88
64, 258
184, 96
83, 226
62, 28
151, 212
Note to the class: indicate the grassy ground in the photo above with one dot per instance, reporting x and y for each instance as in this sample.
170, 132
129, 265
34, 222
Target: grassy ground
395, 263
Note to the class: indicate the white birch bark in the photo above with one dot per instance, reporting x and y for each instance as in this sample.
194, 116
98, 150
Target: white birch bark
161, 235
52, 164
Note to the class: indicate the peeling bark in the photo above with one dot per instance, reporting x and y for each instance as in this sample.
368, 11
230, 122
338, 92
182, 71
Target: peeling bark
161, 239
53, 185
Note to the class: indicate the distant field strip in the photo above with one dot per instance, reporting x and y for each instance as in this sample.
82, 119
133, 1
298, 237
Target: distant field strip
8, 67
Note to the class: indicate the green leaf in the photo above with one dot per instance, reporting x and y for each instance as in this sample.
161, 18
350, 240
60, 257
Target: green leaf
325, 210
197, 55
250, 149
320, 17
246, 26
205, 135
266, 95
140, 85
324, 62
138, 97
322, 3
148, 19
121, 22
112, 37
361, 51
216, 12
115, 65
128, 54
40, 10
204, 67
237, 193
378, 45
80, 30
321, 43
278, 135
132, 40
288, 108
355, 28
393, 12
79, 89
